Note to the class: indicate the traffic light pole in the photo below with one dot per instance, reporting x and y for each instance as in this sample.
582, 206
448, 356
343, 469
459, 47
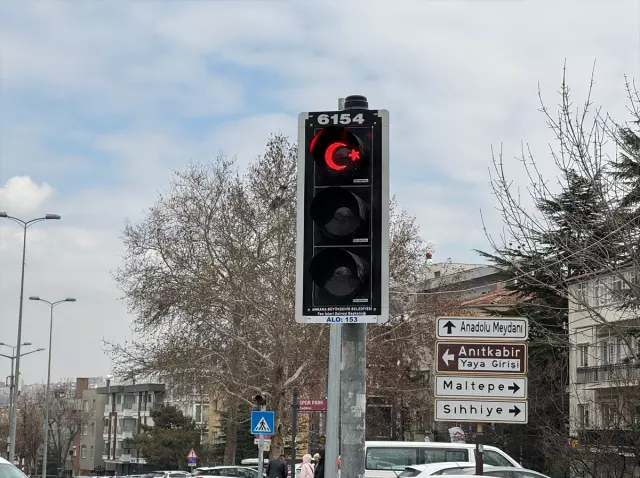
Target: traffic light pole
261, 448
354, 399
332, 434
353, 388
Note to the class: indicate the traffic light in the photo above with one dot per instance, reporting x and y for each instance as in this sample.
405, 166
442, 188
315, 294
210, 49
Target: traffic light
260, 399
343, 215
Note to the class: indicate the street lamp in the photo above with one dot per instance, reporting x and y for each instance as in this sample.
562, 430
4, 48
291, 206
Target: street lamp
12, 378
25, 225
46, 406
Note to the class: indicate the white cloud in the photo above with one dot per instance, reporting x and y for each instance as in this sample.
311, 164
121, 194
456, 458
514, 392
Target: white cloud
105, 101
22, 195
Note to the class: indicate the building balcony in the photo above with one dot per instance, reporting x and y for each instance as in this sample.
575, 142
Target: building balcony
610, 375
125, 431
605, 438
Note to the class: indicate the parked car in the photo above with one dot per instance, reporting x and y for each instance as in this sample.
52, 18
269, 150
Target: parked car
226, 471
499, 472
8, 470
432, 469
385, 459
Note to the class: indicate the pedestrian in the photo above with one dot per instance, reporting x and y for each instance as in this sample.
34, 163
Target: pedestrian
277, 468
319, 471
306, 470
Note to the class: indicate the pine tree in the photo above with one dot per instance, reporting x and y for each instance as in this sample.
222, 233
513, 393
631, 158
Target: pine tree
626, 171
537, 264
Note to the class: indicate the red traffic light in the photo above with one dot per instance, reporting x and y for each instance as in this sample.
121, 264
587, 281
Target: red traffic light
260, 399
337, 150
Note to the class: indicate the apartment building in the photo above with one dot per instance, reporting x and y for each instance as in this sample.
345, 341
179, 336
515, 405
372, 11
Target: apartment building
604, 367
194, 406
90, 444
127, 407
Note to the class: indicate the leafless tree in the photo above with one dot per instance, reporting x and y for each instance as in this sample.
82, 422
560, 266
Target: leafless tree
29, 430
65, 422
572, 239
210, 275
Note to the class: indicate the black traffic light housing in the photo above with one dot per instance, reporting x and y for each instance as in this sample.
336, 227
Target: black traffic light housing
343, 215
260, 399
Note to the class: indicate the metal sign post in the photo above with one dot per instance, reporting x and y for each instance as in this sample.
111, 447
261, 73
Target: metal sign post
261, 449
481, 373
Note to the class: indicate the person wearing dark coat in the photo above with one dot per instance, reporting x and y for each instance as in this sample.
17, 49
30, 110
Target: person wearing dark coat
277, 468
319, 471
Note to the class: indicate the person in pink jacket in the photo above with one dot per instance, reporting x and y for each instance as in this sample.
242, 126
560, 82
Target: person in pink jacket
306, 470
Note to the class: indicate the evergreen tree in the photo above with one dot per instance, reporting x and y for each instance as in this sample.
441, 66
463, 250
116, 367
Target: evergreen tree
626, 171
538, 262
245, 446
166, 444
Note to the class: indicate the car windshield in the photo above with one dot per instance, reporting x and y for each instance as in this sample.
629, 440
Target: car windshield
10, 471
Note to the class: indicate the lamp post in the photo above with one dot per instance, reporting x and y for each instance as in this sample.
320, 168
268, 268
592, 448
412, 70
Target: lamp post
13, 380
47, 399
25, 225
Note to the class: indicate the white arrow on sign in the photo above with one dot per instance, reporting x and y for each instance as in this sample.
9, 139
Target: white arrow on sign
482, 411
481, 387
448, 357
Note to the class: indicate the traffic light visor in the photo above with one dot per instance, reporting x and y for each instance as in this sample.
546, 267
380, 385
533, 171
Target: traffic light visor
260, 399
339, 272
338, 212
337, 150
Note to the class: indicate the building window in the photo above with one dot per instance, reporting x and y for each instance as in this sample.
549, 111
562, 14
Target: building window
602, 293
73, 451
583, 416
83, 451
607, 414
93, 428
93, 405
198, 417
85, 406
84, 429
583, 355
607, 352
91, 453
118, 399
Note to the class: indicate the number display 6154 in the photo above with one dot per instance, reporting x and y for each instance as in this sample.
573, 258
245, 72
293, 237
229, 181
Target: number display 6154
340, 118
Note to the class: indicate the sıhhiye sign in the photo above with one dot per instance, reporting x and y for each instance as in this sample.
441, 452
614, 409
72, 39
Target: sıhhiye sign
482, 411
482, 328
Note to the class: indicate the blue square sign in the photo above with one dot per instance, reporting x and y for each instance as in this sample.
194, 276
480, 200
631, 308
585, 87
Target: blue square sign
262, 422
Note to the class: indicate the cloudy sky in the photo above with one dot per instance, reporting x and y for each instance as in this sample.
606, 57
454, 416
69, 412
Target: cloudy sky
99, 101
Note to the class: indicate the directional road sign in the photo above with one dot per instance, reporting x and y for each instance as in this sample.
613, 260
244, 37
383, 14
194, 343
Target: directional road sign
312, 405
481, 387
262, 422
482, 411
481, 358
483, 328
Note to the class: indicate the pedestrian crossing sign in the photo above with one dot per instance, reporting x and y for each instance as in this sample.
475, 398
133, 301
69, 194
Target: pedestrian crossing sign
262, 422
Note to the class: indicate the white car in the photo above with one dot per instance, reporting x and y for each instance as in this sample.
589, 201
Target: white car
498, 472
7, 470
434, 469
